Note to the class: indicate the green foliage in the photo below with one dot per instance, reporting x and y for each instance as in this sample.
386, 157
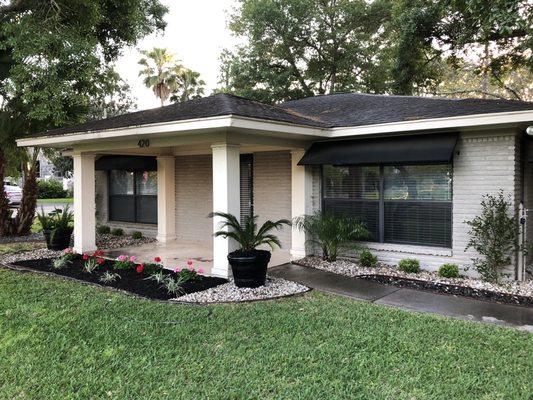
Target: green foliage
494, 236
188, 275
109, 277
367, 259
247, 235
333, 233
50, 189
166, 76
411, 265
123, 265
152, 268
449, 271
103, 229
117, 232
137, 235
59, 219
64, 261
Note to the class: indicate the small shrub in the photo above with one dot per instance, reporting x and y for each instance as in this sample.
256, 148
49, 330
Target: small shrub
50, 189
152, 268
174, 285
137, 235
333, 233
91, 262
449, 271
367, 259
66, 259
103, 229
494, 236
109, 277
117, 232
411, 265
124, 262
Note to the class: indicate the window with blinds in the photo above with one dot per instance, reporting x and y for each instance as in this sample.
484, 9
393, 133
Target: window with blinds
408, 204
133, 196
247, 184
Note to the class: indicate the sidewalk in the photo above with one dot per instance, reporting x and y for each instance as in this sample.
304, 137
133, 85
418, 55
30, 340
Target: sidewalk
408, 299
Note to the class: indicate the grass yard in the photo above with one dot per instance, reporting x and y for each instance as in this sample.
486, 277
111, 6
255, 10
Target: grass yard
17, 247
66, 200
62, 340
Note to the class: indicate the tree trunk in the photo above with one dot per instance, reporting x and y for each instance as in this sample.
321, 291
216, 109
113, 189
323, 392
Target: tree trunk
26, 213
6, 226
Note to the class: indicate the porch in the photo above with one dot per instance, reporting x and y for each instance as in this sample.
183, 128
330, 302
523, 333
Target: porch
194, 176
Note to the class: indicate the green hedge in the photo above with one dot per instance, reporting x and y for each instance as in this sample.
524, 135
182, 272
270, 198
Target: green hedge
50, 189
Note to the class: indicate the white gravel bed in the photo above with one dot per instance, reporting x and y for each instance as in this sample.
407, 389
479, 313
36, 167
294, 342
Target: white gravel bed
228, 292
352, 268
108, 242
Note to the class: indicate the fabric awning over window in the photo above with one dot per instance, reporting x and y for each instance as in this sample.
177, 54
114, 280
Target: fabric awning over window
126, 163
429, 148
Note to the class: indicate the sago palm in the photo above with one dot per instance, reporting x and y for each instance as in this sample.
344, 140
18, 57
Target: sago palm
157, 71
246, 234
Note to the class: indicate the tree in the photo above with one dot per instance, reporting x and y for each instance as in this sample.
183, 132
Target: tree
55, 60
188, 85
297, 48
158, 73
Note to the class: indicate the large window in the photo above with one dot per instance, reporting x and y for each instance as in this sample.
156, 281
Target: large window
133, 196
410, 204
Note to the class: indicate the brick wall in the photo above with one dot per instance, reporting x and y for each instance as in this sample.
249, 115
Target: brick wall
194, 198
272, 191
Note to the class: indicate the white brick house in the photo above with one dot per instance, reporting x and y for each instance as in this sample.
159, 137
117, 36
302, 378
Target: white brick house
413, 169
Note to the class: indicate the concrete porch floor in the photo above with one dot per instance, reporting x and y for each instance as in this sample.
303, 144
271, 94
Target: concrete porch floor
177, 253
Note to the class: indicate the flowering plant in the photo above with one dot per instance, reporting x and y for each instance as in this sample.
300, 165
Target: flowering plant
65, 259
124, 262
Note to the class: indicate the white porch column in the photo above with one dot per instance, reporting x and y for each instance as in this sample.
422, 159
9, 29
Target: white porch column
166, 198
84, 203
301, 187
226, 198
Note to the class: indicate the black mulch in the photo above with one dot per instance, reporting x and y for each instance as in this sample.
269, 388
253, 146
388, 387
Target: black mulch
130, 280
480, 294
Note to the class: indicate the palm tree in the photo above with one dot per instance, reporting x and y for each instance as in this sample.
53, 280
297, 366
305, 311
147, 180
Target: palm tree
188, 84
158, 72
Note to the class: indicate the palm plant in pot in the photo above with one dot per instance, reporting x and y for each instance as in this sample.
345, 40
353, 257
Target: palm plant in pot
249, 264
57, 227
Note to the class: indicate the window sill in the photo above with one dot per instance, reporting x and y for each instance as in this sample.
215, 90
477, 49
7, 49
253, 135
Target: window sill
131, 224
409, 249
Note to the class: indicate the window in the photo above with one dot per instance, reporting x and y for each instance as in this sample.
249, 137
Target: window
246, 185
409, 204
133, 196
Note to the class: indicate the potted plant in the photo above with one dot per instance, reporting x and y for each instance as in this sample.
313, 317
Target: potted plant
57, 227
248, 264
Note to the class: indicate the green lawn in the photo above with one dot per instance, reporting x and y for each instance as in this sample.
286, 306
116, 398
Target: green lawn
62, 340
12, 248
68, 200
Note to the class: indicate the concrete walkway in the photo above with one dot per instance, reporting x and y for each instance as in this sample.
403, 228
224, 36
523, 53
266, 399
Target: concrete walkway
408, 299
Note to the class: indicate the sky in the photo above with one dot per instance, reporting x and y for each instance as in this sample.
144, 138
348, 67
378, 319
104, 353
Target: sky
196, 33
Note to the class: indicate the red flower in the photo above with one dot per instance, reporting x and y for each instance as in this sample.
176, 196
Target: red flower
140, 268
85, 257
157, 259
98, 253
100, 261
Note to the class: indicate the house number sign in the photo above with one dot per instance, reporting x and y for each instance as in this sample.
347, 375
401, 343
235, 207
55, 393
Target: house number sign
143, 143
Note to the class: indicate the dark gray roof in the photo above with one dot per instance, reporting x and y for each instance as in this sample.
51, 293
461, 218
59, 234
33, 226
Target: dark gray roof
354, 109
220, 104
335, 110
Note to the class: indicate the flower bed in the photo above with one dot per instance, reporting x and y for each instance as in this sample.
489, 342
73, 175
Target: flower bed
520, 293
124, 273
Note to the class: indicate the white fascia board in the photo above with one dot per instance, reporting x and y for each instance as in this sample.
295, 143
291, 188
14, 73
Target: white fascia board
505, 118
174, 127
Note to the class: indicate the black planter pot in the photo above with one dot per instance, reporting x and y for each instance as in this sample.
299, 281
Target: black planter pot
57, 239
249, 269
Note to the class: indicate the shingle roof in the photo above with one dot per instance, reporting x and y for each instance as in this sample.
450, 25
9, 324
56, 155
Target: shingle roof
326, 111
220, 104
354, 109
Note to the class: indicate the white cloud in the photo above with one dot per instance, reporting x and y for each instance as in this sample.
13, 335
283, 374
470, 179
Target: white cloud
196, 33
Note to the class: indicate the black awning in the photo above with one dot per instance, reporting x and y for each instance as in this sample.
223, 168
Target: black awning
126, 163
429, 148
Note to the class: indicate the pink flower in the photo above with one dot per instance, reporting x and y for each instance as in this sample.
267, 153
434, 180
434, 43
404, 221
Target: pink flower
200, 270
189, 262
122, 258
133, 258
157, 259
139, 268
191, 268
177, 270
68, 250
